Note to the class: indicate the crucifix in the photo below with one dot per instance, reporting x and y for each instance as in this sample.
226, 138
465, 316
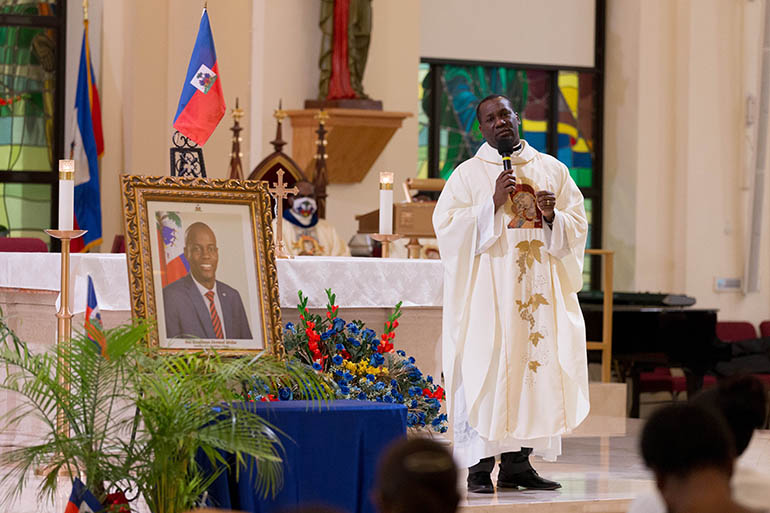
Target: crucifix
279, 191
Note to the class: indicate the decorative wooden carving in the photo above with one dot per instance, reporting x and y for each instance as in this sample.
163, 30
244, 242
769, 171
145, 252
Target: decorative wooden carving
355, 139
236, 167
321, 175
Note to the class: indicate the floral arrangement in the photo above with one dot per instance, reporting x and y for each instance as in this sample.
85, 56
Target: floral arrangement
358, 364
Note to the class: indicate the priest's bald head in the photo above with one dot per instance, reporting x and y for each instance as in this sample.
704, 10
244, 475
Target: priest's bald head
497, 119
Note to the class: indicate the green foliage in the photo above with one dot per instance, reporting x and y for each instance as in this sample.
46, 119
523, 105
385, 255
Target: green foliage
138, 418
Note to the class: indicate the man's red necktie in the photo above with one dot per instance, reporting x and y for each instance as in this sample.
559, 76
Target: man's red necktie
214, 315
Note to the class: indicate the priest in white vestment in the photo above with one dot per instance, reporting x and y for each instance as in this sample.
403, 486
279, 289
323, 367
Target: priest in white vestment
304, 234
514, 346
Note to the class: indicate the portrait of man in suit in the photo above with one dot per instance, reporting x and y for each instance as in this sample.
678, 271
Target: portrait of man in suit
198, 305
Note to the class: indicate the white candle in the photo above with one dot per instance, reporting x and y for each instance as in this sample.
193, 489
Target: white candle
386, 203
66, 193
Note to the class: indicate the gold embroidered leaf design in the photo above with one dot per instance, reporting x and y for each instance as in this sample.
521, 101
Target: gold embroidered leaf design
535, 338
529, 252
536, 300
533, 365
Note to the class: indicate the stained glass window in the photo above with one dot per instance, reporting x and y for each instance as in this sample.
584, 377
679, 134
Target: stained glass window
28, 78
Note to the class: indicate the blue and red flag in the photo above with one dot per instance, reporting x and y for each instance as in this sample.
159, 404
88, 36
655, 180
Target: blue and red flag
173, 263
87, 146
82, 500
93, 319
202, 103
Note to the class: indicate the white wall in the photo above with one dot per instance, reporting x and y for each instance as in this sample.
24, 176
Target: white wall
556, 32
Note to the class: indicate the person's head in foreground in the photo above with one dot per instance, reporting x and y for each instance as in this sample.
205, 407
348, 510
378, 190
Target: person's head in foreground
742, 402
690, 450
416, 476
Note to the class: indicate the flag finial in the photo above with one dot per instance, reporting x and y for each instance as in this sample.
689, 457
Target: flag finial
85, 10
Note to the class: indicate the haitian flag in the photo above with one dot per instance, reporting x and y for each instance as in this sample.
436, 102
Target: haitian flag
87, 146
173, 263
82, 500
202, 103
93, 318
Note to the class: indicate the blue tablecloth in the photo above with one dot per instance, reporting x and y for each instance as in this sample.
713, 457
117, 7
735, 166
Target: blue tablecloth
331, 456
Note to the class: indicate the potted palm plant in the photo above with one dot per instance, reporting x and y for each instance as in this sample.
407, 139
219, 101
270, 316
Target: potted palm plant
136, 419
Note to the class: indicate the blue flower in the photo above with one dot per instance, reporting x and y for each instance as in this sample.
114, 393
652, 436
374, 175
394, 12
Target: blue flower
368, 334
378, 399
348, 376
411, 419
326, 334
362, 396
339, 374
354, 342
290, 327
414, 403
317, 366
339, 347
353, 329
400, 353
394, 392
339, 324
411, 359
413, 391
436, 421
399, 398
387, 399
379, 386
370, 377
377, 360
414, 373
284, 394
345, 390
429, 379
393, 383
337, 360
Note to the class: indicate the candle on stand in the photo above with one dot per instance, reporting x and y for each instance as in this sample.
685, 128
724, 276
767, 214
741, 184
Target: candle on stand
66, 193
386, 203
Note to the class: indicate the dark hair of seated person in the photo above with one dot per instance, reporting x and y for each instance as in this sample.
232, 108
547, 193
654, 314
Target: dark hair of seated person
417, 476
742, 401
682, 438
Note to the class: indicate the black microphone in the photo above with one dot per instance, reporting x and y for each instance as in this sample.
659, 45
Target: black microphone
505, 149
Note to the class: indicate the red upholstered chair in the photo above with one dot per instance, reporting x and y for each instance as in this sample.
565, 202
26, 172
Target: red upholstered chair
764, 329
22, 245
732, 331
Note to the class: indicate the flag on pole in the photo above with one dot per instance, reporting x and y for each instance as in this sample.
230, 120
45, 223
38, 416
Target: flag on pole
173, 263
82, 500
93, 319
202, 103
87, 146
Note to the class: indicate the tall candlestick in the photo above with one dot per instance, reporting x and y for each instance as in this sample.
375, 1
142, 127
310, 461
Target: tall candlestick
66, 193
386, 203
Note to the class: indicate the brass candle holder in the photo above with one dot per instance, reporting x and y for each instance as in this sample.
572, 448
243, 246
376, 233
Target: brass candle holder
64, 315
385, 239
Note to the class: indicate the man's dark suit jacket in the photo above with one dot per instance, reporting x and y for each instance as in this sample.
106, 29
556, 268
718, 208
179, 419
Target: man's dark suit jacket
188, 316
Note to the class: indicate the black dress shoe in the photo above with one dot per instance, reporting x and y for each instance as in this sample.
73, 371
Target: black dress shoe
528, 479
480, 482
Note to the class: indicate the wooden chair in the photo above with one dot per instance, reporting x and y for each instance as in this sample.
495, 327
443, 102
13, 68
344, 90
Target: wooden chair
605, 345
267, 170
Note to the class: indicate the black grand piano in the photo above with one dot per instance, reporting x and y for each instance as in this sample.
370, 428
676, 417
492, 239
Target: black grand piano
654, 330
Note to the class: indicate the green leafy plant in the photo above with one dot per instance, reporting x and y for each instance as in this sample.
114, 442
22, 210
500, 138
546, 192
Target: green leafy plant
137, 418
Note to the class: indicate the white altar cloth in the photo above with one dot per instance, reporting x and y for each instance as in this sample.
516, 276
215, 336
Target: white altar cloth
357, 282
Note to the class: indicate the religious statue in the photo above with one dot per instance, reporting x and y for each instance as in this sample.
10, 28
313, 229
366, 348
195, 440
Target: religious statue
346, 27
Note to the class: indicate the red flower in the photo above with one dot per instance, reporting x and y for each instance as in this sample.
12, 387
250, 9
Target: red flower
311, 325
426, 392
439, 393
334, 308
387, 324
384, 347
345, 354
302, 317
395, 324
328, 315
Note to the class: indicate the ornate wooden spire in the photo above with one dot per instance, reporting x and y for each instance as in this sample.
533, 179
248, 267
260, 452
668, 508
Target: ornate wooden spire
321, 176
236, 167
278, 143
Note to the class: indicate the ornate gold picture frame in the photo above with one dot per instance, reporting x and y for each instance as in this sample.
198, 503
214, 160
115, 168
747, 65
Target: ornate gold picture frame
201, 263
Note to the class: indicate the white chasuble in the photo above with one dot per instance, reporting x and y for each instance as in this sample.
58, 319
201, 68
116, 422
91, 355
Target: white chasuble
514, 346
318, 240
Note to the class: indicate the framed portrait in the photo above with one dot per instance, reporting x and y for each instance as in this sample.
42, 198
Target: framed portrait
201, 263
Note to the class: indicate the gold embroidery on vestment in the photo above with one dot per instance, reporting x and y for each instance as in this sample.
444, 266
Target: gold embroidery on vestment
529, 251
533, 365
